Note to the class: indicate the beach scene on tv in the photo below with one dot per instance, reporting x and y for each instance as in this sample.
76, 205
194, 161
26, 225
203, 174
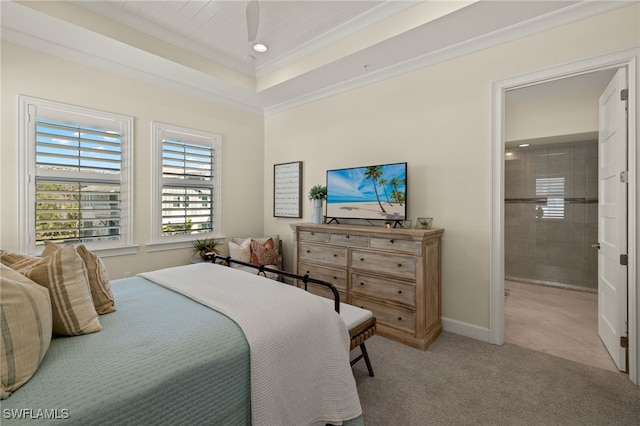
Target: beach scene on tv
373, 192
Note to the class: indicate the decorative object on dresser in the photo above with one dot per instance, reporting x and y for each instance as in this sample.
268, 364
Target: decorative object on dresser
317, 194
424, 223
395, 273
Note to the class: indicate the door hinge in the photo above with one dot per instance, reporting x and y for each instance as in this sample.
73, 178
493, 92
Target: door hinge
624, 342
624, 260
624, 177
624, 95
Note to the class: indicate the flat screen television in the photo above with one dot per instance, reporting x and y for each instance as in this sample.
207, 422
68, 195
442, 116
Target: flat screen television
370, 192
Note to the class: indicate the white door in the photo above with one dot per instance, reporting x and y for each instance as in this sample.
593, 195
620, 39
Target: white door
612, 219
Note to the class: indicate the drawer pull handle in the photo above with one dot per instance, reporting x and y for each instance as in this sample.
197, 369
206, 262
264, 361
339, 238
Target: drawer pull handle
399, 265
335, 278
347, 237
361, 259
399, 291
361, 283
335, 255
391, 241
308, 251
313, 233
399, 318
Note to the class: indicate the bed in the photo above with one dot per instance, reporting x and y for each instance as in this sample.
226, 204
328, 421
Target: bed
166, 357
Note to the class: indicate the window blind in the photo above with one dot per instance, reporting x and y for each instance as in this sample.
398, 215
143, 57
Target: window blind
187, 188
78, 189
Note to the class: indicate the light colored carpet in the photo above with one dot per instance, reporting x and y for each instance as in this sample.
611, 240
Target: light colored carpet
462, 381
555, 321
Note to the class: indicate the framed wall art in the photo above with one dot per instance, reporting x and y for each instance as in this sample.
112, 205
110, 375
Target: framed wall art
287, 189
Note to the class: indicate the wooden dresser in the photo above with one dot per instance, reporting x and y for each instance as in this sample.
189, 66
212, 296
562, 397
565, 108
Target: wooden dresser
395, 273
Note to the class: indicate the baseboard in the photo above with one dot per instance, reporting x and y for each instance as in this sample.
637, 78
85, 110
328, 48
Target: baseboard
465, 329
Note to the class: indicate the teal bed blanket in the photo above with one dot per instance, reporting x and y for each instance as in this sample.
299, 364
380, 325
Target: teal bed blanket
161, 359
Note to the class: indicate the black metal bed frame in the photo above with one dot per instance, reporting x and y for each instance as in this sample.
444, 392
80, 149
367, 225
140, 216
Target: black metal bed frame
262, 270
361, 333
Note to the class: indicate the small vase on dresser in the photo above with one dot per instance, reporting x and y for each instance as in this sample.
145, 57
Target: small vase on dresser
317, 217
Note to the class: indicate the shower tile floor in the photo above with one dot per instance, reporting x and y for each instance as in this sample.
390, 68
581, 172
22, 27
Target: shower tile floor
556, 321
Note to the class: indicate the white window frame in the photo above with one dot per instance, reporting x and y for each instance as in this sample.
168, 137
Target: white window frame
160, 131
29, 110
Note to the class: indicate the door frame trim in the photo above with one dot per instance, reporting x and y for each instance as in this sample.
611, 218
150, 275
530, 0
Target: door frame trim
627, 58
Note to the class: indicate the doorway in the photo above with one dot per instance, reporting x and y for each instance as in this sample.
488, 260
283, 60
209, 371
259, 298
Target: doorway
551, 217
626, 59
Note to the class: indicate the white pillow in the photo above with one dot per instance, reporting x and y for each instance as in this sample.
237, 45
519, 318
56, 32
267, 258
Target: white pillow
241, 252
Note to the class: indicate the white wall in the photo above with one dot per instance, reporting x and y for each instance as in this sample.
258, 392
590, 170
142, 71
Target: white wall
556, 116
438, 119
27, 72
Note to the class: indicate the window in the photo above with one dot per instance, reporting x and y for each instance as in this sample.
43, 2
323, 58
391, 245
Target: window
553, 190
76, 175
187, 183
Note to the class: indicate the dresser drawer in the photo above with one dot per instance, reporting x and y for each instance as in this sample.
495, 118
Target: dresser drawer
314, 236
331, 255
350, 240
381, 288
404, 319
398, 265
319, 290
337, 277
410, 246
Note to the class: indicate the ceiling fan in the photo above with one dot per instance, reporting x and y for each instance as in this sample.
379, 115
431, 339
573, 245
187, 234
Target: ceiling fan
253, 19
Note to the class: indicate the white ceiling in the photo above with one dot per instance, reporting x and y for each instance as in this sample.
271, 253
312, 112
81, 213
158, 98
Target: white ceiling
317, 48
217, 29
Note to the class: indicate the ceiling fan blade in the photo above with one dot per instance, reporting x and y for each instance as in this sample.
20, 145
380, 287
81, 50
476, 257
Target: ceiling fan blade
253, 19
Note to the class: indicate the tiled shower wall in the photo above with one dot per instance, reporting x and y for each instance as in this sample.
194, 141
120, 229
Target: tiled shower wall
551, 214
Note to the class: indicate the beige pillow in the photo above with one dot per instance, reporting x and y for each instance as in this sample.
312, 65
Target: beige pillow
25, 332
64, 274
99, 284
17, 261
241, 252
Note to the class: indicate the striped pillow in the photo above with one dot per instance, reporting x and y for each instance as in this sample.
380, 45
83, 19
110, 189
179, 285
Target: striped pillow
25, 329
98, 281
64, 274
16, 261
99, 284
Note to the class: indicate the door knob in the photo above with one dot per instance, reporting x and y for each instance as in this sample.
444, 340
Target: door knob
596, 246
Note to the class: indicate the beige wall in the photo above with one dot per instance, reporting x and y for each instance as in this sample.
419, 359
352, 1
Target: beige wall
438, 119
30, 73
551, 117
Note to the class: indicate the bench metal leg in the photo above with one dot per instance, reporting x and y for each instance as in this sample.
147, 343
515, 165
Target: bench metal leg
364, 355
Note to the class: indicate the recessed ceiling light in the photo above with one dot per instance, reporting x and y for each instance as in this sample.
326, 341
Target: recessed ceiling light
524, 145
260, 47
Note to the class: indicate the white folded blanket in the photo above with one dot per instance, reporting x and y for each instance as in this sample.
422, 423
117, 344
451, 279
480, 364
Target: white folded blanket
300, 371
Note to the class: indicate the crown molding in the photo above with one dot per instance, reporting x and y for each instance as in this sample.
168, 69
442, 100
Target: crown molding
573, 13
30, 28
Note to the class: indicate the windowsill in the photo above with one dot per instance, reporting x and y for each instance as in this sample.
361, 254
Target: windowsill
116, 251
173, 245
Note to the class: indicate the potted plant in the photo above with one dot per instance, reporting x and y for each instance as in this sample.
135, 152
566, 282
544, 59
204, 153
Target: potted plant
204, 246
317, 194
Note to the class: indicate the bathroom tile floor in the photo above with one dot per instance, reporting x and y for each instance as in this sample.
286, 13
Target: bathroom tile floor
556, 321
